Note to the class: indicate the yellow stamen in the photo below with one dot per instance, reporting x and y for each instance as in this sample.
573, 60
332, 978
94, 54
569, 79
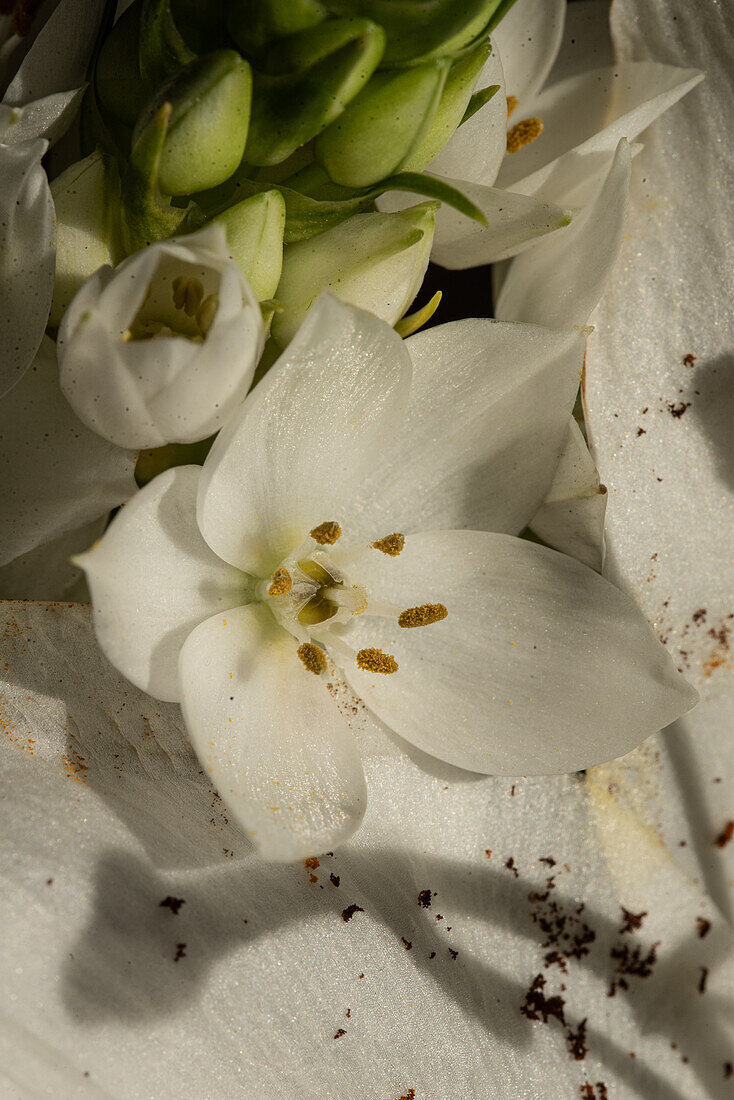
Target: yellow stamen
424, 615
327, 533
522, 133
313, 657
390, 545
512, 102
206, 313
374, 660
187, 294
281, 583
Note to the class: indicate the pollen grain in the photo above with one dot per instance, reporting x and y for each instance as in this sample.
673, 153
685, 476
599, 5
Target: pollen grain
280, 583
327, 533
374, 660
424, 615
391, 545
511, 104
522, 133
312, 657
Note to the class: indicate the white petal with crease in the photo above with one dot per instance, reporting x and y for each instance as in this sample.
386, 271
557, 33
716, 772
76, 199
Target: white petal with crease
153, 579
487, 422
541, 666
560, 282
306, 434
270, 737
529, 38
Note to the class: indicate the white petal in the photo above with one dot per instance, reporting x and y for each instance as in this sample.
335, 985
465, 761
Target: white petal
513, 223
671, 489
305, 435
542, 666
58, 59
48, 118
26, 257
47, 572
571, 518
372, 261
529, 38
586, 42
585, 116
487, 422
561, 280
56, 475
270, 737
476, 150
153, 579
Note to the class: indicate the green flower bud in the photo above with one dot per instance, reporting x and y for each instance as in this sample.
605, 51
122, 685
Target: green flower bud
120, 91
331, 64
87, 201
375, 261
202, 26
421, 29
254, 231
384, 125
162, 50
207, 129
253, 24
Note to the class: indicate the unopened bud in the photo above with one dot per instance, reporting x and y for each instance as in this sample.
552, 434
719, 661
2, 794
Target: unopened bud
253, 24
254, 231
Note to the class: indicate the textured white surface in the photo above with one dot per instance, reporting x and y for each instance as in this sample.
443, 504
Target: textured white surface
109, 815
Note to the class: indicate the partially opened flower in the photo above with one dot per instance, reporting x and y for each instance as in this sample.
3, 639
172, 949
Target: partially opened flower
309, 540
162, 348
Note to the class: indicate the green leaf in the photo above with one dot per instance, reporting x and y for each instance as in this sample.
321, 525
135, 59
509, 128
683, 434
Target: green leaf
290, 109
383, 126
162, 50
433, 187
478, 100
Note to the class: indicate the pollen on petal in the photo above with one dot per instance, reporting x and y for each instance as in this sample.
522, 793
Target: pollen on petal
390, 545
374, 660
281, 583
511, 104
312, 657
327, 533
424, 615
522, 133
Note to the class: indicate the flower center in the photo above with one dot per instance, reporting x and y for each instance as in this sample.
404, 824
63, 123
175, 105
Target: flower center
522, 133
177, 305
311, 593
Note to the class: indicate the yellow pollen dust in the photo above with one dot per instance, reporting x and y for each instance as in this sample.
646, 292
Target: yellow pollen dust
206, 313
522, 133
187, 294
327, 533
281, 583
312, 657
424, 615
390, 545
511, 104
374, 660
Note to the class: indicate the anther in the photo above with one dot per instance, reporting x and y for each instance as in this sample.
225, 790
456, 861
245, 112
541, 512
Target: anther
424, 615
206, 313
512, 102
374, 660
281, 583
522, 133
312, 657
327, 533
187, 294
390, 545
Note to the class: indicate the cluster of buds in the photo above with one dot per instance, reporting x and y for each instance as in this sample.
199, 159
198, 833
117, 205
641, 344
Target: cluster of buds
279, 119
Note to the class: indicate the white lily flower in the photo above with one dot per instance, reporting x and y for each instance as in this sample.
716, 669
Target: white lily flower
162, 348
528, 171
232, 590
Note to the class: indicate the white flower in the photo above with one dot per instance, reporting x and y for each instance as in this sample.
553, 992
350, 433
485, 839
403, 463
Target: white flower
563, 136
162, 348
213, 582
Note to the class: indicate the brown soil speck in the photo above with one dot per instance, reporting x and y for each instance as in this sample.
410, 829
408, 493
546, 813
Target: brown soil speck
702, 979
424, 899
406, 943
576, 1041
703, 926
311, 863
180, 952
689, 360
641, 431
510, 865
677, 408
410, 1095
488, 853
728, 1069
631, 922
334, 879
174, 904
725, 835
350, 910
49, 882
454, 954
339, 1033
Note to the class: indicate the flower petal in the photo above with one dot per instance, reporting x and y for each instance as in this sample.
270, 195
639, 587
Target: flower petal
270, 736
586, 115
58, 59
541, 666
26, 257
153, 579
586, 42
486, 424
47, 118
571, 518
561, 280
56, 475
529, 38
47, 572
306, 434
